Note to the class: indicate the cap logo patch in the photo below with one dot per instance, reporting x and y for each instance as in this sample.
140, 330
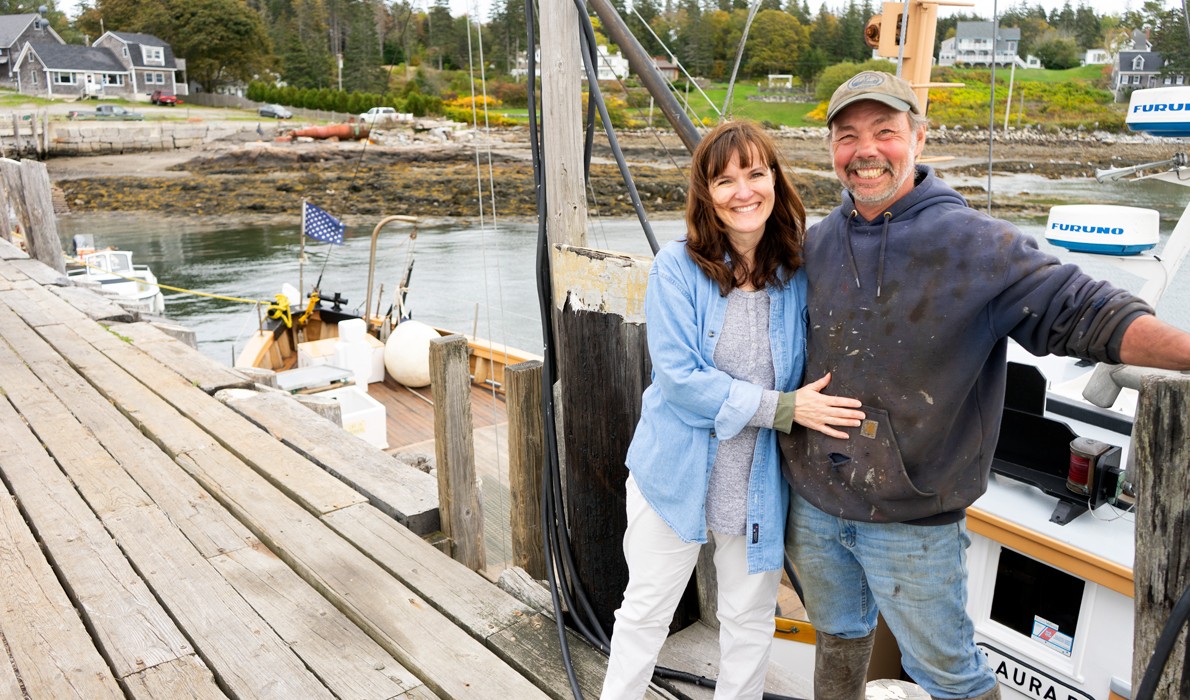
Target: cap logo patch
865, 80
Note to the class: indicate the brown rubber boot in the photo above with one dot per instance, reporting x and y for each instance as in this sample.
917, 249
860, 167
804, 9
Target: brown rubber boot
993, 694
841, 667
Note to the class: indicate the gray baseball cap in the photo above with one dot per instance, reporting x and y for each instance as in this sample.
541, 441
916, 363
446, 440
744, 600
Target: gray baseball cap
873, 85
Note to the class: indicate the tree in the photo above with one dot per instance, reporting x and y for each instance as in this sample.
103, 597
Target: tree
776, 40
1169, 39
1057, 51
221, 40
1088, 28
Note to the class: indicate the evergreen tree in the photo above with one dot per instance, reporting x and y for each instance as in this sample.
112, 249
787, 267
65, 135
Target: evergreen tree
1168, 37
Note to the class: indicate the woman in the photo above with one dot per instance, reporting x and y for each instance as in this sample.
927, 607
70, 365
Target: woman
726, 330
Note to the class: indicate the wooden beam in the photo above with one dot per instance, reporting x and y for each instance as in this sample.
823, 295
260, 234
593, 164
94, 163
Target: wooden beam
1161, 464
460, 509
42, 236
526, 458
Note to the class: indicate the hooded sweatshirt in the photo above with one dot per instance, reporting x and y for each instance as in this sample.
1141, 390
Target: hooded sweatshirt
910, 313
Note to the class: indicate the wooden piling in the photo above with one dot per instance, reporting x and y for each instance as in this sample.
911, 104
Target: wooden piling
454, 450
10, 173
1160, 467
41, 239
526, 458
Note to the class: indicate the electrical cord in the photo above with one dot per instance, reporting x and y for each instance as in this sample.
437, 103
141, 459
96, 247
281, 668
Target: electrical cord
1164, 647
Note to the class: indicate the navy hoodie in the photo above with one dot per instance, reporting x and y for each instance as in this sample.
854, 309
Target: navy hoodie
910, 313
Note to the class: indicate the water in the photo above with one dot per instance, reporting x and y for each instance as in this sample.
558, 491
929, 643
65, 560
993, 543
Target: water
467, 279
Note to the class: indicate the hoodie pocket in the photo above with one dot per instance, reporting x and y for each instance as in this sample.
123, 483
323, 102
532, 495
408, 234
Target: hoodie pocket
870, 462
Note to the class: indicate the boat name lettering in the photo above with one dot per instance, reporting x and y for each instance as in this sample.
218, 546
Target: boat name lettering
1163, 107
1030, 681
1083, 228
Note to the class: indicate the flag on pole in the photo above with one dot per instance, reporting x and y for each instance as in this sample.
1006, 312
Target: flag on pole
321, 226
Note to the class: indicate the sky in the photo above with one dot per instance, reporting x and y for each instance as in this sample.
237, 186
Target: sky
980, 7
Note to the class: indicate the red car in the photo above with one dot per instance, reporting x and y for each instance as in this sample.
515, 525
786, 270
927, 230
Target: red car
160, 97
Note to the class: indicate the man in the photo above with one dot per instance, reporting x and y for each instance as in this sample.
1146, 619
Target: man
912, 295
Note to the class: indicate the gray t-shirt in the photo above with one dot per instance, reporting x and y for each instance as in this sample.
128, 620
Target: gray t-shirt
745, 353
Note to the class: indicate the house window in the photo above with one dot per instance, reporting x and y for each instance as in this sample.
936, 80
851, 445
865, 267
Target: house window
113, 79
158, 78
1138, 63
33, 78
61, 78
1181, 80
124, 51
154, 55
1136, 80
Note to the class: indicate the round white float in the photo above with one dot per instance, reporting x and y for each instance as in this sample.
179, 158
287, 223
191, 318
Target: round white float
407, 353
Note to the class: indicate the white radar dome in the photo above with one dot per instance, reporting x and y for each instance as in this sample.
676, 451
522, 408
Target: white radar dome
407, 353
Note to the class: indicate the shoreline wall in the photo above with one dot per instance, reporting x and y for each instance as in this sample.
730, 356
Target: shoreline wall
36, 136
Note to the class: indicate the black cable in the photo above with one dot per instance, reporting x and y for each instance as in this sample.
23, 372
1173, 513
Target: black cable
587, 39
1164, 647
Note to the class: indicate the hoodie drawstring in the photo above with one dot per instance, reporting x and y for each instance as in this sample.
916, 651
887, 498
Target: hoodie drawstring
883, 248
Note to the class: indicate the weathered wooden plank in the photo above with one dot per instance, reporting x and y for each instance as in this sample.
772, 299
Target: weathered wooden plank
338, 652
95, 306
390, 484
129, 624
41, 273
10, 251
449, 661
296, 476
10, 686
195, 367
187, 677
695, 650
51, 652
248, 658
42, 234
208, 526
460, 508
1161, 461
10, 172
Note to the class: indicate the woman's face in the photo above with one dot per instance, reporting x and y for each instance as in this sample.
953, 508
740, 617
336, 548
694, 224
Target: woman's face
743, 197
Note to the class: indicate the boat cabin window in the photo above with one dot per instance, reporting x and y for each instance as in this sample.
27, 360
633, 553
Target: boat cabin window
1037, 600
121, 262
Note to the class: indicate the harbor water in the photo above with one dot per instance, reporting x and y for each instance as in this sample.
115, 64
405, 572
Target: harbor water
467, 278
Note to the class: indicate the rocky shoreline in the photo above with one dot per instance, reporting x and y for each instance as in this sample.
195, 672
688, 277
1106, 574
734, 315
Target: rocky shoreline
435, 176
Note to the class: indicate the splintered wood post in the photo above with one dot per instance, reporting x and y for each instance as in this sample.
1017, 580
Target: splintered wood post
454, 450
7, 226
526, 457
42, 237
1161, 468
605, 366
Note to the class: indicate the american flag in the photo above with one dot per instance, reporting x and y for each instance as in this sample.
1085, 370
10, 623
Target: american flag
321, 226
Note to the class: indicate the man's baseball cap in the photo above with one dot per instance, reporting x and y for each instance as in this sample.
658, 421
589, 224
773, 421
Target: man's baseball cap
873, 85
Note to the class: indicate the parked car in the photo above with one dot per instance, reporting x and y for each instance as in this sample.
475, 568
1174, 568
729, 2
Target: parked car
378, 115
161, 97
274, 111
115, 112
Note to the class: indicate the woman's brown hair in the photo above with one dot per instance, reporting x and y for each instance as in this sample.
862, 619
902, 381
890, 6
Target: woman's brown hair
779, 253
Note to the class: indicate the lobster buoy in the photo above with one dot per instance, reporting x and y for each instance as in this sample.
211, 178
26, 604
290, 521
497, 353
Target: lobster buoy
407, 353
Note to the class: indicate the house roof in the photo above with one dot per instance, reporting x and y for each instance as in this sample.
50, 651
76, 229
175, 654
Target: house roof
1151, 61
135, 41
75, 57
983, 30
12, 26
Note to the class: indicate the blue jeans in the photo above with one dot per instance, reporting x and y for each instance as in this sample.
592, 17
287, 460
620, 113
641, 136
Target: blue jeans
915, 575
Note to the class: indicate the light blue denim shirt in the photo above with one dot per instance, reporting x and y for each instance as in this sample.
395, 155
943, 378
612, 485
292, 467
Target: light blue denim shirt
691, 405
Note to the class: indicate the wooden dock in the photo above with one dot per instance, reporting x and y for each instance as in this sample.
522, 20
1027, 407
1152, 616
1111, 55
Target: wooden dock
156, 543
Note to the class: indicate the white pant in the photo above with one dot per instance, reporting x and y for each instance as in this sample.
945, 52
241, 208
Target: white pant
659, 567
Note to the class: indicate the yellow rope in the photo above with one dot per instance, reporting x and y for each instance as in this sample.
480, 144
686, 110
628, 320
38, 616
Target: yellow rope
173, 289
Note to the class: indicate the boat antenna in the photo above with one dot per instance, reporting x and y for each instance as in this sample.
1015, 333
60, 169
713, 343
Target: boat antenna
739, 54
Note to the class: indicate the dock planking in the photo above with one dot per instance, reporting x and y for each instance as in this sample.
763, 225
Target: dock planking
201, 556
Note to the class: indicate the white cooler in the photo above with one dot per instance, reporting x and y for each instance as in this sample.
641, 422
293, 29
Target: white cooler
363, 416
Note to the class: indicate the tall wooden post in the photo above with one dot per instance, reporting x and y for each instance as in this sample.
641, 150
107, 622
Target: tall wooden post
454, 450
10, 172
1161, 467
41, 238
562, 121
526, 457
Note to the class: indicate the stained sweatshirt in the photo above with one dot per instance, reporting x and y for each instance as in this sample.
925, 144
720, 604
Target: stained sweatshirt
911, 313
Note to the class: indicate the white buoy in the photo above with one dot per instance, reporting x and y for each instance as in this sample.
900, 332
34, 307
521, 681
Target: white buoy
407, 353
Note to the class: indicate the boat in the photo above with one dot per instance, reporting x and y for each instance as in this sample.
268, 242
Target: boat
116, 274
375, 365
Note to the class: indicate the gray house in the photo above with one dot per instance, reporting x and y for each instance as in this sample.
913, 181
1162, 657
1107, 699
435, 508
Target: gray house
69, 70
150, 62
973, 45
1140, 67
15, 32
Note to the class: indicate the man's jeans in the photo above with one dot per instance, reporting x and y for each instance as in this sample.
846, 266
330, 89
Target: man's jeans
915, 575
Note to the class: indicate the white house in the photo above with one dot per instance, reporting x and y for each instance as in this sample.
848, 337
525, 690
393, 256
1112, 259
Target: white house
1097, 57
973, 45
